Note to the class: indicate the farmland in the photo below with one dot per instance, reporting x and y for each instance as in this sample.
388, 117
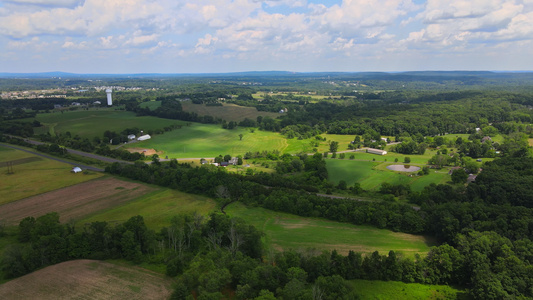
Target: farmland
372, 174
228, 112
94, 122
157, 208
75, 201
34, 175
393, 290
88, 279
284, 231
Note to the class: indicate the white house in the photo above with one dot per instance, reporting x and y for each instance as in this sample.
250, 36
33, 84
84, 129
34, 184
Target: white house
131, 136
376, 151
144, 137
76, 170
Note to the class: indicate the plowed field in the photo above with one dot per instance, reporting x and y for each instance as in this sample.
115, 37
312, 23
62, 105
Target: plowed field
76, 201
88, 279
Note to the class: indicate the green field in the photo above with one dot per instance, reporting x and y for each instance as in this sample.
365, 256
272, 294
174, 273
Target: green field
34, 175
157, 208
394, 290
285, 231
94, 122
228, 112
372, 174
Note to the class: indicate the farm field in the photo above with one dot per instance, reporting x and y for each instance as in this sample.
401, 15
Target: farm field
34, 175
372, 174
75, 201
157, 208
88, 279
285, 231
94, 122
228, 112
394, 290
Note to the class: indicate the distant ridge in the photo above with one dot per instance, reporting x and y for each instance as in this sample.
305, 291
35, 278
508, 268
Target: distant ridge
375, 75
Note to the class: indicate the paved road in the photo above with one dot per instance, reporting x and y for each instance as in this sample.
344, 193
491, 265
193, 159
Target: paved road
83, 167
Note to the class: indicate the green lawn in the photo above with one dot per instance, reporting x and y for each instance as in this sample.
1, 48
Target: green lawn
372, 174
157, 208
94, 122
394, 290
285, 231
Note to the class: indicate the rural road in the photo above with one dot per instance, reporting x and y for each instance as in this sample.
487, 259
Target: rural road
83, 167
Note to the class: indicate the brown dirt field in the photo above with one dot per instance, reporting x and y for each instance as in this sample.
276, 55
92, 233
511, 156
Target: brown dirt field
147, 152
88, 279
75, 201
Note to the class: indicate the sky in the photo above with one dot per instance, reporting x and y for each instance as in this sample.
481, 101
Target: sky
219, 36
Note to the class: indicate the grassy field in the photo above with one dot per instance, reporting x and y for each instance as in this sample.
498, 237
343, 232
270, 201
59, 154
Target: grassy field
94, 122
34, 175
393, 290
157, 208
372, 174
285, 231
228, 112
88, 279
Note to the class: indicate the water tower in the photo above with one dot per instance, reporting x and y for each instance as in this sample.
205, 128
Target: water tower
109, 97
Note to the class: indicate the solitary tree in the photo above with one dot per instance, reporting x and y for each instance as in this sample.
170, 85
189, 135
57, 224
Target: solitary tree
333, 146
240, 136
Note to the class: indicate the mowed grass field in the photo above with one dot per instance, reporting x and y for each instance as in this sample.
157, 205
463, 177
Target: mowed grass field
285, 231
94, 122
88, 279
157, 208
34, 175
372, 174
394, 290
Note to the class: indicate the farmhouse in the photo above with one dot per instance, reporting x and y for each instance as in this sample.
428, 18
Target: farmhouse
131, 136
144, 137
376, 151
233, 161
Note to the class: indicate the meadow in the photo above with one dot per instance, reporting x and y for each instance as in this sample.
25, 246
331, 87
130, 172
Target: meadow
285, 231
228, 112
395, 290
95, 121
35, 175
157, 208
372, 174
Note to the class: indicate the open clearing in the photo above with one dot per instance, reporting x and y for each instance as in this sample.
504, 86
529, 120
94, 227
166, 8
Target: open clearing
394, 290
372, 174
88, 279
34, 175
94, 122
157, 208
228, 112
75, 201
285, 231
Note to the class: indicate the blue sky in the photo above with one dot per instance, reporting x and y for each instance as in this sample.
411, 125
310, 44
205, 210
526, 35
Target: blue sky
186, 36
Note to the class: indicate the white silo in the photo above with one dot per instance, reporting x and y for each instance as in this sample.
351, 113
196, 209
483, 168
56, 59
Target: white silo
109, 97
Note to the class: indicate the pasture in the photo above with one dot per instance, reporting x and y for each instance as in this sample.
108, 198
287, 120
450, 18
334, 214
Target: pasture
157, 208
372, 174
395, 290
88, 279
285, 231
33, 175
94, 122
228, 112
75, 202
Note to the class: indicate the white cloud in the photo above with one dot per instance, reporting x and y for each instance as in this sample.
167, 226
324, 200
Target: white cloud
48, 3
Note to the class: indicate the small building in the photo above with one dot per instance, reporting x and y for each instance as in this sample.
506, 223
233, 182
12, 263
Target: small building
57, 105
144, 137
76, 170
75, 104
376, 151
233, 161
486, 138
97, 103
224, 164
131, 136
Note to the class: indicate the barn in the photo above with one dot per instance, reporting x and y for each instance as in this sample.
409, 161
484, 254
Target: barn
144, 137
76, 170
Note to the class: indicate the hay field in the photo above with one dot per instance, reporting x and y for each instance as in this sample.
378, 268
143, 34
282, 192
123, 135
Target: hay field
75, 201
228, 112
157, 208
395, 290
94, 122
88, 279
34, 175
285, 231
